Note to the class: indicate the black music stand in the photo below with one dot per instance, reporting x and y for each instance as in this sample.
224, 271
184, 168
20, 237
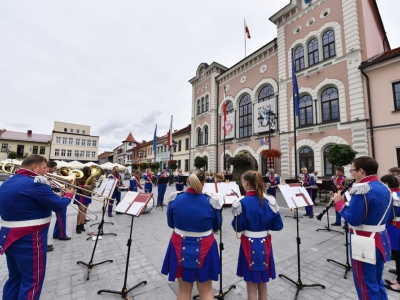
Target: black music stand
328, 228
293, 182
347, 265
326, 186
299, 284
162, 180
228, 177
142, 198
101, 224
90, 264
183, 179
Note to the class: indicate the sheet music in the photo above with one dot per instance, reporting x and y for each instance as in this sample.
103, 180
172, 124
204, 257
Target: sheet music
135, 208
290, 193
122, 207
303, 190
129, 197
109, 185
209, 188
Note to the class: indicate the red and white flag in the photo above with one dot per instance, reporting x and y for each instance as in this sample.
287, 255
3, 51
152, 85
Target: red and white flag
169, 135
224, 111
246, 29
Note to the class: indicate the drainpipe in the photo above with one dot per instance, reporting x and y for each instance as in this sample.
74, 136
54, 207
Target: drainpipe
371, 125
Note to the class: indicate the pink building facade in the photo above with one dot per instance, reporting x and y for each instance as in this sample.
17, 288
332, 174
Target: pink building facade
329, 39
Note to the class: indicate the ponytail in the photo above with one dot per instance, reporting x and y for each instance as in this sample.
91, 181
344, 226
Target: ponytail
255, 181
195, 179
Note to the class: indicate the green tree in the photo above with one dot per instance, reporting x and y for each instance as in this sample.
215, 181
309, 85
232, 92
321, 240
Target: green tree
200, 162
341, 155
12, 155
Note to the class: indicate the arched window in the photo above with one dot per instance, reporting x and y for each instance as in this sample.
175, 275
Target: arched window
266, 93
328, 43
199, 137
198, 107
330, 104
227, 165
203, 105
206, 135
245, 117
207, 103
306, 110
299, 58
229, 107
306, 157
313, 55
328, 167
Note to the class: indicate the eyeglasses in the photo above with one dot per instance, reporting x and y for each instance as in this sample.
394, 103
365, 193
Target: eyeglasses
352, 170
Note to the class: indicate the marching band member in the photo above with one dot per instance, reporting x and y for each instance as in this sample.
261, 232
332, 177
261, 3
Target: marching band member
116, 194
368, 206
395, 171
274, 180
254, 215
314, 187
135, 181
148, 184
307, 181
219, 177
82, 201
393, 228
26, 202
192, 253
161, 187
179, 185
339, 181
209, 178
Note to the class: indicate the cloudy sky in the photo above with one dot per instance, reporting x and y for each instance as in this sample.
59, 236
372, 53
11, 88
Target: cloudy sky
123, 65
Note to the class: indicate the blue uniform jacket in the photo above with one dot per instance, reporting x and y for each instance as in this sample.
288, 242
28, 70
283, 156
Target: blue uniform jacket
393, 226
26, 196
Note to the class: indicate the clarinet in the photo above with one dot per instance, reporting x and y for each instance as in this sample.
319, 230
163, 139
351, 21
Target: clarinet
330, 204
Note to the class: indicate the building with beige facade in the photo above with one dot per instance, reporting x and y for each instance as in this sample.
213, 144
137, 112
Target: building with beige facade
73, 142
24, 144
329, 39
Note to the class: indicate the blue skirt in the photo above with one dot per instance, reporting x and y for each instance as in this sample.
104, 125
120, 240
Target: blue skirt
210, 269
82, 200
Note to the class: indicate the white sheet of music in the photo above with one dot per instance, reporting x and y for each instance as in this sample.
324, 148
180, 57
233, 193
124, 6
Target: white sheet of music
290, 193
129, 197
122, 207
135, 208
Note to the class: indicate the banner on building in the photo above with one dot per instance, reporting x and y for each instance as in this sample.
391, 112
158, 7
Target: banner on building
263, 120
229, 125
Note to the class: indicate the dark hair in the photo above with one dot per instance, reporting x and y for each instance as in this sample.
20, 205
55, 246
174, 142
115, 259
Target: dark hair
137, 172
395, 170
51, 164
368, 164
391, 181
32, 160
254, 178
341, 169
86, 171
200, 175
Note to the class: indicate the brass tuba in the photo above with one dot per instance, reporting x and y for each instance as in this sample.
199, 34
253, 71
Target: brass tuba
65, 171
9, 168
95, 173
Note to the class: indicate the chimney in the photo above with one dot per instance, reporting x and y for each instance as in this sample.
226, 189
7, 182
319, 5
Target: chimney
29, 132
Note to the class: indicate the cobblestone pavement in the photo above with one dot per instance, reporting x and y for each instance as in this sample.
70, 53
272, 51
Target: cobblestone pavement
65, 279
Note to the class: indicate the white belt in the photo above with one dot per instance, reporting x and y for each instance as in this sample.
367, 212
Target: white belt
192, 233
27, 223
255, 234
369, 228
397, 219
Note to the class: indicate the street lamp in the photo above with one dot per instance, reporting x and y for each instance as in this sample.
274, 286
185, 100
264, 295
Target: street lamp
271, 127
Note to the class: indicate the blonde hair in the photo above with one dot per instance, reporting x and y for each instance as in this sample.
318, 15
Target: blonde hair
195, 179
219, 177
254, 178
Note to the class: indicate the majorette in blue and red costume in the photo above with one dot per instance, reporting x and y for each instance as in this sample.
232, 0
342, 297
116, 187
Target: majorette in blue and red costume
134, 183
179, 185
340, 182
393, 229
308, 181
256, 259
368, 277
148, 184
116, 194
26, 197
274, 180
192, 253
161, 188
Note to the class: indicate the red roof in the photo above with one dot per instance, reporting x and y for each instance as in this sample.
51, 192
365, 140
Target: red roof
24, 136
382, 57
130, 138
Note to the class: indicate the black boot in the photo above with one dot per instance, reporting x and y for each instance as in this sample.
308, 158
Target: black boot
78, 229
83, 227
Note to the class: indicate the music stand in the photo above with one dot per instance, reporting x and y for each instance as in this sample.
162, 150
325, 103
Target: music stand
347, 265
132, 204
162, 180
228, 177
328, 228
327, 186
297, 197
266, 179
293, 182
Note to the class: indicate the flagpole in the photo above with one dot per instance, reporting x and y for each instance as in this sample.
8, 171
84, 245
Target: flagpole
294, 124
155, 148
224, 132
244, 24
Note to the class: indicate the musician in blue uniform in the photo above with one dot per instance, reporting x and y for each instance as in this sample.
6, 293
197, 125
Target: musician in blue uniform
148, 181
255, 215
367, 213
307, 181
192, 253
339, 181
116, 194
274, 180
162, 187
179, 185
81, 200
135, 181
26, 202
393, 228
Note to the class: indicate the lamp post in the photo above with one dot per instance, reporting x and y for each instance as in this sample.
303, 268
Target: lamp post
271, 127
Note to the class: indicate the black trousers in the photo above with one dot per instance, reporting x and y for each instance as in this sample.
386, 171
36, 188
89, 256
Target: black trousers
396, 256
314, 194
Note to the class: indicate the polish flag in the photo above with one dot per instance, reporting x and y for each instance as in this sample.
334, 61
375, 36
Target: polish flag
246, 29
224, 111
169, 135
